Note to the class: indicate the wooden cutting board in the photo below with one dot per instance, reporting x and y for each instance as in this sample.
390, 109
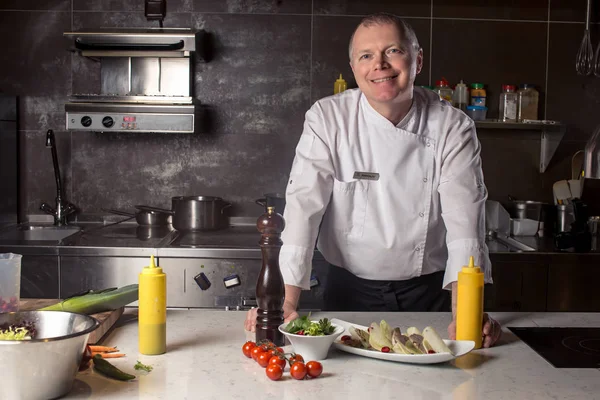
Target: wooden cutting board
106, 319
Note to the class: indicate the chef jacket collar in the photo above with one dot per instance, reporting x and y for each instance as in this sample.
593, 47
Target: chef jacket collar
384, 122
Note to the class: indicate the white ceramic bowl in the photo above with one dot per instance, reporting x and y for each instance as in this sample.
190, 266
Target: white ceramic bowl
312, 347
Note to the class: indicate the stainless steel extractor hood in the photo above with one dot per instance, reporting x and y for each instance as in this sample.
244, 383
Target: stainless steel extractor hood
145, 81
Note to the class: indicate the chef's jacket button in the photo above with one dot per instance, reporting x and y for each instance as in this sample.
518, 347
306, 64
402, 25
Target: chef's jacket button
421, 214
417, 248
428, 144
424, 179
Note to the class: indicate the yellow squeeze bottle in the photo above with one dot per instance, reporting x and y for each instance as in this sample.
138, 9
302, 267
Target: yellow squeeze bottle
152, 313
469, 310
340, 85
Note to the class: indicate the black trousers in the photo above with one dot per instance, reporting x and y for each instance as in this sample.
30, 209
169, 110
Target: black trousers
346, 292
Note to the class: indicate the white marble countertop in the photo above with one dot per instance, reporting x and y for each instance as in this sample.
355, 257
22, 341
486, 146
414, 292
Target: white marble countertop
204, 360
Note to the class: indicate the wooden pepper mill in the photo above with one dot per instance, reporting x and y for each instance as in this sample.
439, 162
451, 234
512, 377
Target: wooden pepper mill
270, 290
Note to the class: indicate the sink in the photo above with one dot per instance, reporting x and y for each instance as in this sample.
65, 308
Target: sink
49, 233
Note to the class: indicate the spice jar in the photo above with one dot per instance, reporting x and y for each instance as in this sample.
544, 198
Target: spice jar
508, 104
478, 95
528, 99
443, 90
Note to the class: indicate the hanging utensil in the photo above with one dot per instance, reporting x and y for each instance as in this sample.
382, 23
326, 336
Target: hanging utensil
585, 55
597, 61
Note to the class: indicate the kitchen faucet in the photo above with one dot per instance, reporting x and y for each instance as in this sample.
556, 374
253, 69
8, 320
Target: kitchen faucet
63, 207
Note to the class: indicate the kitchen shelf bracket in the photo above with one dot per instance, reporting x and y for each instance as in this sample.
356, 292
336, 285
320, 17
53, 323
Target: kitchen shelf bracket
551, 134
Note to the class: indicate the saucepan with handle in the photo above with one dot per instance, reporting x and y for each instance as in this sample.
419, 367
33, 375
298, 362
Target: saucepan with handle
196, 213
146, 217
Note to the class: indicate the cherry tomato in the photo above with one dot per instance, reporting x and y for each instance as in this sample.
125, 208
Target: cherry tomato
247, 348
294, 358
298, 370
277, 361
264, 347
255, 352
280, 350
314, 368
274, 372
272, 352
263, 359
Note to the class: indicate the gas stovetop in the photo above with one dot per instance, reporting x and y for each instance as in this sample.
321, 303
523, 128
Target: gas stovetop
564, 347
234, 237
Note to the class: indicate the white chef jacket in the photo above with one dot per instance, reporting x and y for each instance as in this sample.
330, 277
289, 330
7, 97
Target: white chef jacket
386, 202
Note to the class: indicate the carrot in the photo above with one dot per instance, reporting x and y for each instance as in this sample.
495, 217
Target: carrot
109, 355
102, 349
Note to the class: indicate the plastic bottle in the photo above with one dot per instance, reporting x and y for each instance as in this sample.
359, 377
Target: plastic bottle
152, 315
340, 85
478, 95
443, 90
460, 99
508, 104
528, 99
469, 309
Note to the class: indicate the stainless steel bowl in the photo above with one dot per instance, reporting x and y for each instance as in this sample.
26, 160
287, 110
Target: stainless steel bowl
44, 367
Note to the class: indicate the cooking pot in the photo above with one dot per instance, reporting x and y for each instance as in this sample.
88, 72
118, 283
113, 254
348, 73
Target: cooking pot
148, 217
199, 213
276, 200
534, 210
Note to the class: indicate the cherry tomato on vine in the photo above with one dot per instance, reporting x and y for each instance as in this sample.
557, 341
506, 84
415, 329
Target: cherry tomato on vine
298, 370
263, 359
255, 352
276, 360
274, 372
294, 358
314, 369
247, 348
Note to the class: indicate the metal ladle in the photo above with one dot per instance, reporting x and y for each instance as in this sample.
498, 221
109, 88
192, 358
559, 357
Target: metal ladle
585, 55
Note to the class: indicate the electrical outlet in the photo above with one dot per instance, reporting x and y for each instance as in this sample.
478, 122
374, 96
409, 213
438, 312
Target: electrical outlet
156, 9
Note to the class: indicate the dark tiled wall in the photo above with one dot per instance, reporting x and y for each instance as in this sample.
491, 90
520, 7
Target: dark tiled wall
273, 59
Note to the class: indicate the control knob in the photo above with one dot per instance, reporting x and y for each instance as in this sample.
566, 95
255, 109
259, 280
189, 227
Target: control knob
86, 121
108, 122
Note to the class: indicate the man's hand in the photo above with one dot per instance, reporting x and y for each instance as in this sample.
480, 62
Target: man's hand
292, 296
491, 330
289, 314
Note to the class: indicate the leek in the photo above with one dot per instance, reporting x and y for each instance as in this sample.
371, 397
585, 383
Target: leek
96, 302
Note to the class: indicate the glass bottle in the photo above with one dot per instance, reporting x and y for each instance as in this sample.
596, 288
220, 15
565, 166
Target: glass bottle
528, 99
508, 104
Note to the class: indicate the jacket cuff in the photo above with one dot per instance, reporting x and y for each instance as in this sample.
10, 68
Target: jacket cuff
459, 252
295, 263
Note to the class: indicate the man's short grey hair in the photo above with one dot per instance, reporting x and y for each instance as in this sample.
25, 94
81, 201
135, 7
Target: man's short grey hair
407, 32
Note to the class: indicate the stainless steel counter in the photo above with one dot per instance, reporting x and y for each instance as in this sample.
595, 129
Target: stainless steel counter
127, 239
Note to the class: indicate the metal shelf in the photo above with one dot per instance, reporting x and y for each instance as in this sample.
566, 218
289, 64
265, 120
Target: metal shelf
551, 133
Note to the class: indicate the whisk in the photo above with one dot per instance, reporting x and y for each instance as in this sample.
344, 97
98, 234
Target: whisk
585, 56
597, 61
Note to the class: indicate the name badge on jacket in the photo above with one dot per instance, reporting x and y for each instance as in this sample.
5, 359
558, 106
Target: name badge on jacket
370, 176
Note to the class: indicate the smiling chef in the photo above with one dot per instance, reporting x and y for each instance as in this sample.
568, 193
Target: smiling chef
389, 178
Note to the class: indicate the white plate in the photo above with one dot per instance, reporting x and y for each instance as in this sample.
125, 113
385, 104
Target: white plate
458, 348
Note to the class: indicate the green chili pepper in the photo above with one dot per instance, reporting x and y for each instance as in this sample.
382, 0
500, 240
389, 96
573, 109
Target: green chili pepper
109, 370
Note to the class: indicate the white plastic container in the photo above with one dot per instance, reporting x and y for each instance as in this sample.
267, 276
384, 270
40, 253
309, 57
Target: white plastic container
10, 282
460, 98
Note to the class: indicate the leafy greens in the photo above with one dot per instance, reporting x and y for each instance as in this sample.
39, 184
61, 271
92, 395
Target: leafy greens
304, 326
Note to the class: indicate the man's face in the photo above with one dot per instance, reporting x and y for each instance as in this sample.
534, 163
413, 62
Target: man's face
384, 65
